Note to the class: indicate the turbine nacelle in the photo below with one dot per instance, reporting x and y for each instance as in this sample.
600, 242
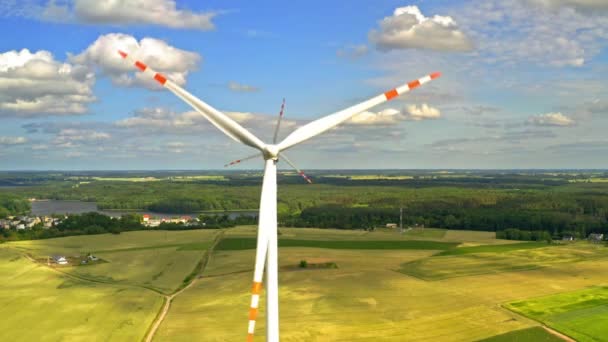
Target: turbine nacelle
271, 152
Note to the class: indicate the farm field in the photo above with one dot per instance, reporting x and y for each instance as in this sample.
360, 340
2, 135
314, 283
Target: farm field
153, 259
38, 304
536, 334
367, 299
433, 285
582, 314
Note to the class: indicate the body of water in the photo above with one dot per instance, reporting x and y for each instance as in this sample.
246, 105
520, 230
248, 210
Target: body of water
41, 208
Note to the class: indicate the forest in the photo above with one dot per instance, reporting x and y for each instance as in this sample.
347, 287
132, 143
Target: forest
555, 202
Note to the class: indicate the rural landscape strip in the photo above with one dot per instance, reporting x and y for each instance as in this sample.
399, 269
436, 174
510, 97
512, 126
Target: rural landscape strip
189, 282
86, 279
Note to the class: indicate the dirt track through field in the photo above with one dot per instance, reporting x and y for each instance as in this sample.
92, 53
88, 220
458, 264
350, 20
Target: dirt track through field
169, 298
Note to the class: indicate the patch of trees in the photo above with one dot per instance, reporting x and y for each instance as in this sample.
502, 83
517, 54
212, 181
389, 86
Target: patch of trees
523, 235
12, 205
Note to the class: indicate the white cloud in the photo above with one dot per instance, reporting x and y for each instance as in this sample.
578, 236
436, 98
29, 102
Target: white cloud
424, 112
551, 119
11, 141
35, 84
71, 137
391, 116
511, 32
242, 88
125, 12
585, 5
175, 63
408, 28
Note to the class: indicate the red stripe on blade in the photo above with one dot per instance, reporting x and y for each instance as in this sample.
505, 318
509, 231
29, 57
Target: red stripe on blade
122, 54
413, 84
141, 66
435, 75
160, 79
391, 94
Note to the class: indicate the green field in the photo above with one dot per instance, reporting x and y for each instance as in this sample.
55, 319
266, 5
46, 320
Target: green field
428, 285
38, 304
151, 259
582, 314
498, 259
250, 243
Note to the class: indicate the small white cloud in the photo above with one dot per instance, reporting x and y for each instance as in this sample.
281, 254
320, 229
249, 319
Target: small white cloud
408, 28
242, 88
385, 117
391, 116
10, 141
424, 112
175, 63
551, 119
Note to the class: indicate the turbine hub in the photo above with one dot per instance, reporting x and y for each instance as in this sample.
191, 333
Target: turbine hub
271, 152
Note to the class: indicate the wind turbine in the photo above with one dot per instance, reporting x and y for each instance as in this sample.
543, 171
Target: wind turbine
267, 249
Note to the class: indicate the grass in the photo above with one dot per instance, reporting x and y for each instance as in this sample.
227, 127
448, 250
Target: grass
152, 259
582, 314
454, 297
366, 300
494, 248
162, 269
499, 259
535, 334
250, 243
38, 304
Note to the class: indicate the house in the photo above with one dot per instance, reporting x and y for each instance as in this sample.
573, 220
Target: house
5, 224
146, 218
596, 238
567, 238
20, 226
391, 225
92, 257
60, 260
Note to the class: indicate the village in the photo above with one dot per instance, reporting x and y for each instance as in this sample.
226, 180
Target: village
30, 222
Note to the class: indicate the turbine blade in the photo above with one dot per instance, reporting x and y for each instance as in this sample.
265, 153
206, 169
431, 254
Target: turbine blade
323, 124
300, 172
276, 129
266, 227
220, 120
238, 161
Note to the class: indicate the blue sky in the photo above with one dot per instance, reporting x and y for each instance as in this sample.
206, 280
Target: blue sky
523, 82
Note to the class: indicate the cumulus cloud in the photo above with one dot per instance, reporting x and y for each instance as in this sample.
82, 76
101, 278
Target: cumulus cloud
408, 28
391, 116
175, 63
242, 88
35, 84
423, 112
155, 12
551, 119
11, 141
125, 12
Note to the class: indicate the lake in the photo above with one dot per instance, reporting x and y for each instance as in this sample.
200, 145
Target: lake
41, 208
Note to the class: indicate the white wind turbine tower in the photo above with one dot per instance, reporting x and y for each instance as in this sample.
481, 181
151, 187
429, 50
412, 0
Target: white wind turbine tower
267, 251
